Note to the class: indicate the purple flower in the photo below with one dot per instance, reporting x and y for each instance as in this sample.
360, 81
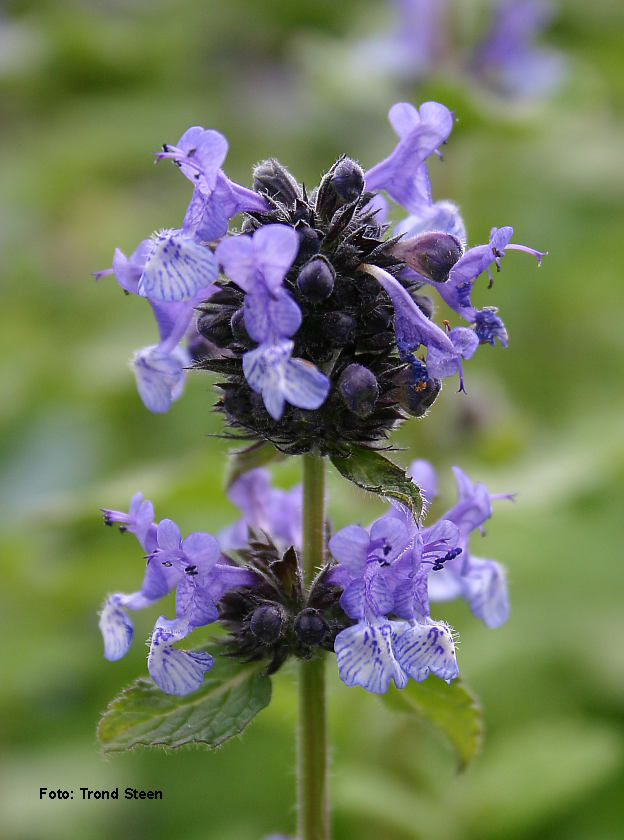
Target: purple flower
426, 647
258, 264
264, 508
412, 328
192, 566
155, 266
138, 521
481, 582
270, 371
116, 627
509, 61
385, 570
260, 259
366, 565
201, 583
199, 154
160, 368
456, 288
432, 548
403, 174
194, 558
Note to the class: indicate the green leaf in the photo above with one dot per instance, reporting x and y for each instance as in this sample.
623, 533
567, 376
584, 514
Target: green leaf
452, 710
231, 695
257, 455
373, 472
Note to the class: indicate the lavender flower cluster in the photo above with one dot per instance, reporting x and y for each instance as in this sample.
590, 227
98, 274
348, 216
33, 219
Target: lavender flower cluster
370, 603
314, 317
316, 320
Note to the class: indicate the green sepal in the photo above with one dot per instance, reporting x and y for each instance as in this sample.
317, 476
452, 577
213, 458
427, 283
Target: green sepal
452, 710
257, 455
231, 695
371, 471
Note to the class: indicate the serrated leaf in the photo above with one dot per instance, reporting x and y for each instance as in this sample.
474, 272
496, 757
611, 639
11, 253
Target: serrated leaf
256, 455
371, 471
452, 710
231, 695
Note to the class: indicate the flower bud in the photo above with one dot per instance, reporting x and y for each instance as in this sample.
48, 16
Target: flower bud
239, 330
343, 184
200, 349
215, 326
274, 180
433, 254
358, 388
268, 622
338, 328
310, 626
316, 279
347, 179
309, 241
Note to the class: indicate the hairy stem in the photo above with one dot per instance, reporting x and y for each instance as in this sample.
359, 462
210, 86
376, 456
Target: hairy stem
312, 748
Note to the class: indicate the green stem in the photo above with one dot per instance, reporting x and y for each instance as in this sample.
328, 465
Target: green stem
312, 749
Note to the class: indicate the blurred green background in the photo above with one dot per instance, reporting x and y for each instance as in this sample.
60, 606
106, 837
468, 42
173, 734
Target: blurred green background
88, 91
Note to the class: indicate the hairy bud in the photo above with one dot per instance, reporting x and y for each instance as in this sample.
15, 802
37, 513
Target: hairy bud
432, 254
274, 180
268, 622
343, 184
316, 279
310, 626
358, 388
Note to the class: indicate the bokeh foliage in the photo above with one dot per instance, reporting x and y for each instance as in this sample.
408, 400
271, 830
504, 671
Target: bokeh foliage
87, 91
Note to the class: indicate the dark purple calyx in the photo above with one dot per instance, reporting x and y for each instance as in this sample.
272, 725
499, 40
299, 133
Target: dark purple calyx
359, 389
431, 254
268, 622
343, 184
316, 279
310, 626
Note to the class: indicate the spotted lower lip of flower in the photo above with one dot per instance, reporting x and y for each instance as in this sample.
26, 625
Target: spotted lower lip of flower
177, 268
424, 648
365, 657
270, 371
173, 670
371, 655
